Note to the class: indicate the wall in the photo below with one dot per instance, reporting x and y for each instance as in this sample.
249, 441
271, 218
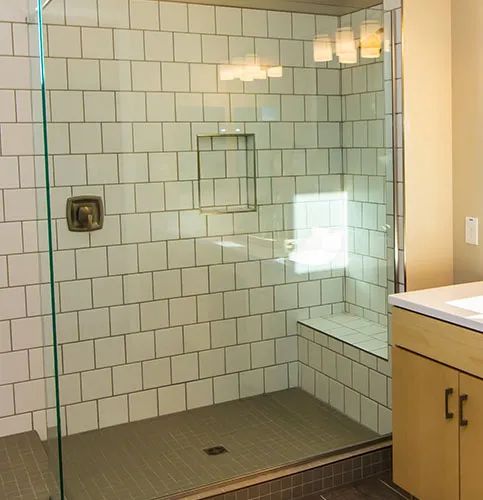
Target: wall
22, 384
164, 309
467, 18
428, 143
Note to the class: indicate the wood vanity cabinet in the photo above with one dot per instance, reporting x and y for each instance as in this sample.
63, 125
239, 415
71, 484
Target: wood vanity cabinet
437, 408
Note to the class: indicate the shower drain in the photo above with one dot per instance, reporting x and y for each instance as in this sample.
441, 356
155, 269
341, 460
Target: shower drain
215, 450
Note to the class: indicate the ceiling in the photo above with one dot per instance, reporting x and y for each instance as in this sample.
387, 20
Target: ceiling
327, 7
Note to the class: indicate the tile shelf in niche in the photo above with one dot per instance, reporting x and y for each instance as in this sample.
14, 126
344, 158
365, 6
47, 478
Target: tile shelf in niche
226, 173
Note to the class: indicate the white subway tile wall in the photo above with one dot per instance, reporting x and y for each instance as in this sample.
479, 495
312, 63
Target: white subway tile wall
166, 309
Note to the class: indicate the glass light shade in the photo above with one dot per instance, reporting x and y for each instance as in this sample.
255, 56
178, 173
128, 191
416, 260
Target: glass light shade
323, 49
344, 41
275, 72
348, 57
371, 39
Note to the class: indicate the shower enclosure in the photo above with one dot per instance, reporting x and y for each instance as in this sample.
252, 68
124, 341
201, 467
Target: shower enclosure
221, 237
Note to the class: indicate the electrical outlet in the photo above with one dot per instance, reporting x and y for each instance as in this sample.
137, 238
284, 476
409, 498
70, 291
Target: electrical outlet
472, 231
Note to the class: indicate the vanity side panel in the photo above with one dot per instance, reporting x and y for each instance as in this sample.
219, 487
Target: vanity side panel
428, 143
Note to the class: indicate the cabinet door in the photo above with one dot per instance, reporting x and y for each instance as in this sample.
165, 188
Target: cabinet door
471, 437
425, 427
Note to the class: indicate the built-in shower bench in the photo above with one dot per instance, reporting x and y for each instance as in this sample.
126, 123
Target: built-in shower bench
359, 332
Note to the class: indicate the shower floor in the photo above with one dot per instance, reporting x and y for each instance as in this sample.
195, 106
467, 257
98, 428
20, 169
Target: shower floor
164, 456
354, 330
24, 468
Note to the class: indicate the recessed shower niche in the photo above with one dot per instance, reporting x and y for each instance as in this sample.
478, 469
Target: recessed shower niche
226, 173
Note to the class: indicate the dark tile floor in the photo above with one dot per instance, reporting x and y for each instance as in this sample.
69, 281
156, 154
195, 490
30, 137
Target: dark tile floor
24, 471
312, 483
162, 457
376, 488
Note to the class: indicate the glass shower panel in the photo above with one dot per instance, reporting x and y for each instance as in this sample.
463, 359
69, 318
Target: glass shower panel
363, 241
34, 270
367, 159
241, 190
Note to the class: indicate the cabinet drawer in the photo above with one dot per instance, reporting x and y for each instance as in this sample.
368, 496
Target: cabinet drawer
438, 340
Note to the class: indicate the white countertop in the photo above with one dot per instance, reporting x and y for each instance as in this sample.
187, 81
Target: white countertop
458, 304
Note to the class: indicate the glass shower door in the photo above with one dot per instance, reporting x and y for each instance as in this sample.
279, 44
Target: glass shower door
214, 182
45, 363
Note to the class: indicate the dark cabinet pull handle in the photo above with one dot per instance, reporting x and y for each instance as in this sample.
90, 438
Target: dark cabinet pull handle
463, 421
448, 414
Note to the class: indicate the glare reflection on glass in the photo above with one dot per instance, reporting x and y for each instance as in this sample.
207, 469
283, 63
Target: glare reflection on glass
346, 46
323, 49
319, 245
371, 39
248, 69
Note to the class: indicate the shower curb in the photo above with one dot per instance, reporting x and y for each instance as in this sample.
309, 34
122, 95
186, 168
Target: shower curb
309, 477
